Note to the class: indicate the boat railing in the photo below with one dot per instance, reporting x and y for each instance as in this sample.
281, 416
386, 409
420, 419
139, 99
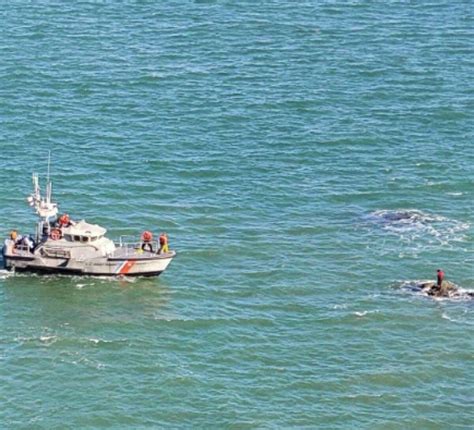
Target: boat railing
22, 250
126, 241
56, 253
129, 245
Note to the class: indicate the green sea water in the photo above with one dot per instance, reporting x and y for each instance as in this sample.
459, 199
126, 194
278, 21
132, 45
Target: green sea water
309, 160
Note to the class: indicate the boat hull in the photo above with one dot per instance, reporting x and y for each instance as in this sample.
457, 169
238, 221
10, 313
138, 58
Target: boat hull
112, 266
50, 271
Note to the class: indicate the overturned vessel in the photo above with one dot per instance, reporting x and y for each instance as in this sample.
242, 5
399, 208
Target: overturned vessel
446, 289
62, 246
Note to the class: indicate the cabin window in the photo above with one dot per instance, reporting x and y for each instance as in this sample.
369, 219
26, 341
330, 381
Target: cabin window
77, 238
84, 239
93, 239
68, 237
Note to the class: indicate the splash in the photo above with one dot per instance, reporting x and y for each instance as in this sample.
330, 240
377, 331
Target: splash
413, 225
364, 313
48, 340
5, 274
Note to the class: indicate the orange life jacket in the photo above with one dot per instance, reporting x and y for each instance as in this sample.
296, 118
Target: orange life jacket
64, 219
147, 236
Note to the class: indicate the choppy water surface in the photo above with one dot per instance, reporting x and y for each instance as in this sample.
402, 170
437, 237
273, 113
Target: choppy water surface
308, 160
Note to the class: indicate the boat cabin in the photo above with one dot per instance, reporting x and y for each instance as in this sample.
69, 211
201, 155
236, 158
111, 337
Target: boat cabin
83, 232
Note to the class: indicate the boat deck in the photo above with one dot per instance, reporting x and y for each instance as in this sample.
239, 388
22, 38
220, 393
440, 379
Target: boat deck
136, 252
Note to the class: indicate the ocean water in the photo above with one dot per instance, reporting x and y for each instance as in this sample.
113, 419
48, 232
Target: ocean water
309, 160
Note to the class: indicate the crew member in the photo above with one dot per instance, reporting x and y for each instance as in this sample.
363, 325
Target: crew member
163, 243
440, 278
147, 237
29, 243
64, 220
9, 244
17, 240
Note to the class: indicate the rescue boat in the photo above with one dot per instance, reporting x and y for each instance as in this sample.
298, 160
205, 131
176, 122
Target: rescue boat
61, 246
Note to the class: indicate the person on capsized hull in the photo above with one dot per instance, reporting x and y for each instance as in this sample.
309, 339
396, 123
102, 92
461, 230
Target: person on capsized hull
439, 278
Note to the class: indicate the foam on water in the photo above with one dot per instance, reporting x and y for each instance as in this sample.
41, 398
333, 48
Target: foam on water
364, 313
413, 225
5, 273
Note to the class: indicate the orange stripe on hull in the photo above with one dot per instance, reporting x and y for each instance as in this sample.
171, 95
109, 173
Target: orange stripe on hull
127, 267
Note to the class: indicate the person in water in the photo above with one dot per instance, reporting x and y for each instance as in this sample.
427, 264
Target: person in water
440, 278
147, 237
163, 244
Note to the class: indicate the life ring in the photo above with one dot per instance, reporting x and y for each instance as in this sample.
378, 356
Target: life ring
147, 236
56, 234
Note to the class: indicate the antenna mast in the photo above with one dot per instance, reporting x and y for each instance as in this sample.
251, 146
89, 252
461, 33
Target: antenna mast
49, 188
43, 206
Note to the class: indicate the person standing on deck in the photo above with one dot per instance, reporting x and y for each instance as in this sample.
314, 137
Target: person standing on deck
9, 244
64, 221
163, 244
147, 237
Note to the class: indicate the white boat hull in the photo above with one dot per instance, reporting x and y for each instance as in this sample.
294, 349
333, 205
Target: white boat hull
62, 245
147, 265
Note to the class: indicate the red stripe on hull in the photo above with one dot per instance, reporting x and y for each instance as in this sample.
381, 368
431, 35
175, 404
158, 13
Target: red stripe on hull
127, 267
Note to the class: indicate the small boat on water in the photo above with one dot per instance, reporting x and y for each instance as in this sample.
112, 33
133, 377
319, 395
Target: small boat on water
63, 246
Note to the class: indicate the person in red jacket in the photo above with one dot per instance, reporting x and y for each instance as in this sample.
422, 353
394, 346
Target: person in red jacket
147, 237
440, 277
64, 220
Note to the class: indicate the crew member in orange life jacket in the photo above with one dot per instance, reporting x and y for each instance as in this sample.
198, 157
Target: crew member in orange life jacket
163, 244
147, 237
64, 220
